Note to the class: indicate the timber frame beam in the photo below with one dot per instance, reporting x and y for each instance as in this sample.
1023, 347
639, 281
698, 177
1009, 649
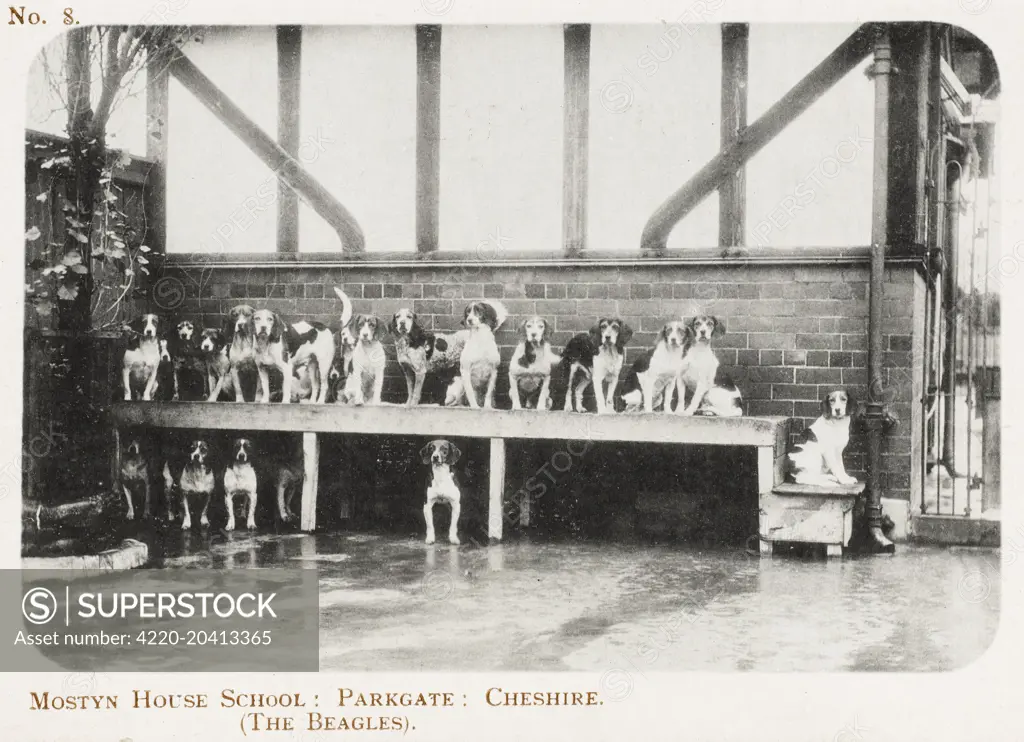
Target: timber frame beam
726, 163
272, 154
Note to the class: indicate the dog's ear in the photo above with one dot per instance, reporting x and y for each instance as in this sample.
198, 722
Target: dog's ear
545, 336
595, 332
851, 405
454, 454
277, 328
625, 333
465, 314
135, 326
425, 453
663, 335
522, 327
826, 411
393, 327
719, 327
490, 315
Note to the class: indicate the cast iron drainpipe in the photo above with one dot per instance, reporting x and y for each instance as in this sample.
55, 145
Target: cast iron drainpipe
877, 419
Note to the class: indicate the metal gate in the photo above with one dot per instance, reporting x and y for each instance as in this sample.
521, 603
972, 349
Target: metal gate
960, 421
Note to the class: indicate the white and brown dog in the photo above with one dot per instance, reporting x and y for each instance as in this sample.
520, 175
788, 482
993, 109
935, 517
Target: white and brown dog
185, 355
365, 380
270, 350
529, 370
240, 481
214, 351
723, 399
240, 336
700, 365
196, 483
135, 478
480, 358
311, 347
818, 459
654, 377
421, 352
443, 485
597, 356
141, 363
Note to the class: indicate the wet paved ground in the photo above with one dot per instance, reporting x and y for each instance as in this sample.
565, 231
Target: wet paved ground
391, 603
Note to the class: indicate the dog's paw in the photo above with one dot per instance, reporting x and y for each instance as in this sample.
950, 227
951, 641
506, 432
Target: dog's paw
186, 525
127, 396
454, 540
429, 540
131, 515
847, 480
230, 525
250, 525
204, 522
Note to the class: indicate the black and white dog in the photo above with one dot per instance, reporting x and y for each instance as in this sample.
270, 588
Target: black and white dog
818, 459
443, 486
240, 481
141, 363
597, 356
529, 370
196, 483
480, 357
421, 352
653, 379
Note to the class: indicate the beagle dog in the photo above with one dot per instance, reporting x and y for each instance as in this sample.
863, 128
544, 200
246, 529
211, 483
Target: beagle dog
270, 350
440, 456
365, 381
240, 481
184, 354
700, 365
421, 352
141, 362
818, 458
597, 356
723, 398
135, 477
288, 478
213, 349
240, 336
479, 360
196, 483
529, 370
311, 346
654, 376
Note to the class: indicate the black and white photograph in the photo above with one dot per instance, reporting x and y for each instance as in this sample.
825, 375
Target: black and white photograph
618, 349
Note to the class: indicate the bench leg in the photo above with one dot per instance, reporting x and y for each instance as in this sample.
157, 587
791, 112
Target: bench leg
765, 483
496, 514
833, 550
311, 469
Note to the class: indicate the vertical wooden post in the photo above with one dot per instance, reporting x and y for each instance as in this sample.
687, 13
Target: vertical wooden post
310, 483
576, 137
428, 137
765, 483
496, 511
289, 72
155, 194
732, 193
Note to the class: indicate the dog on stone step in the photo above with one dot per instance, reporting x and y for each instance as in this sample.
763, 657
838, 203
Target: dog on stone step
818, 459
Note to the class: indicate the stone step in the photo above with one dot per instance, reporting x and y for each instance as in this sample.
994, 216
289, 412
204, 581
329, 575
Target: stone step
813, 490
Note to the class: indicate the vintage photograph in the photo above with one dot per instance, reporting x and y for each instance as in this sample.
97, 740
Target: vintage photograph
607, 348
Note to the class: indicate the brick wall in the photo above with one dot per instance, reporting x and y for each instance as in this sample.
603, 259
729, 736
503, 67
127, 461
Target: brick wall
793, 332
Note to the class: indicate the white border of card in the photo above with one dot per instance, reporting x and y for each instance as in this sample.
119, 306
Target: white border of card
980, 701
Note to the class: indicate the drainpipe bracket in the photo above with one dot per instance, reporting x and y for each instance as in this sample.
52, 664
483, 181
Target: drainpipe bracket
877, 416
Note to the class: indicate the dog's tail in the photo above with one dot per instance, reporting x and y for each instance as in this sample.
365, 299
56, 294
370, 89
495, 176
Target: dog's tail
499, 310
346, 307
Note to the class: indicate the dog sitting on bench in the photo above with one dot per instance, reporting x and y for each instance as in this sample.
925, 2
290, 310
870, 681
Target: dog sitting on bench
818, 459
443, 486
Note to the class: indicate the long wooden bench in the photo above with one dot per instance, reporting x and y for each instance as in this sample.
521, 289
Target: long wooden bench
767, 434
